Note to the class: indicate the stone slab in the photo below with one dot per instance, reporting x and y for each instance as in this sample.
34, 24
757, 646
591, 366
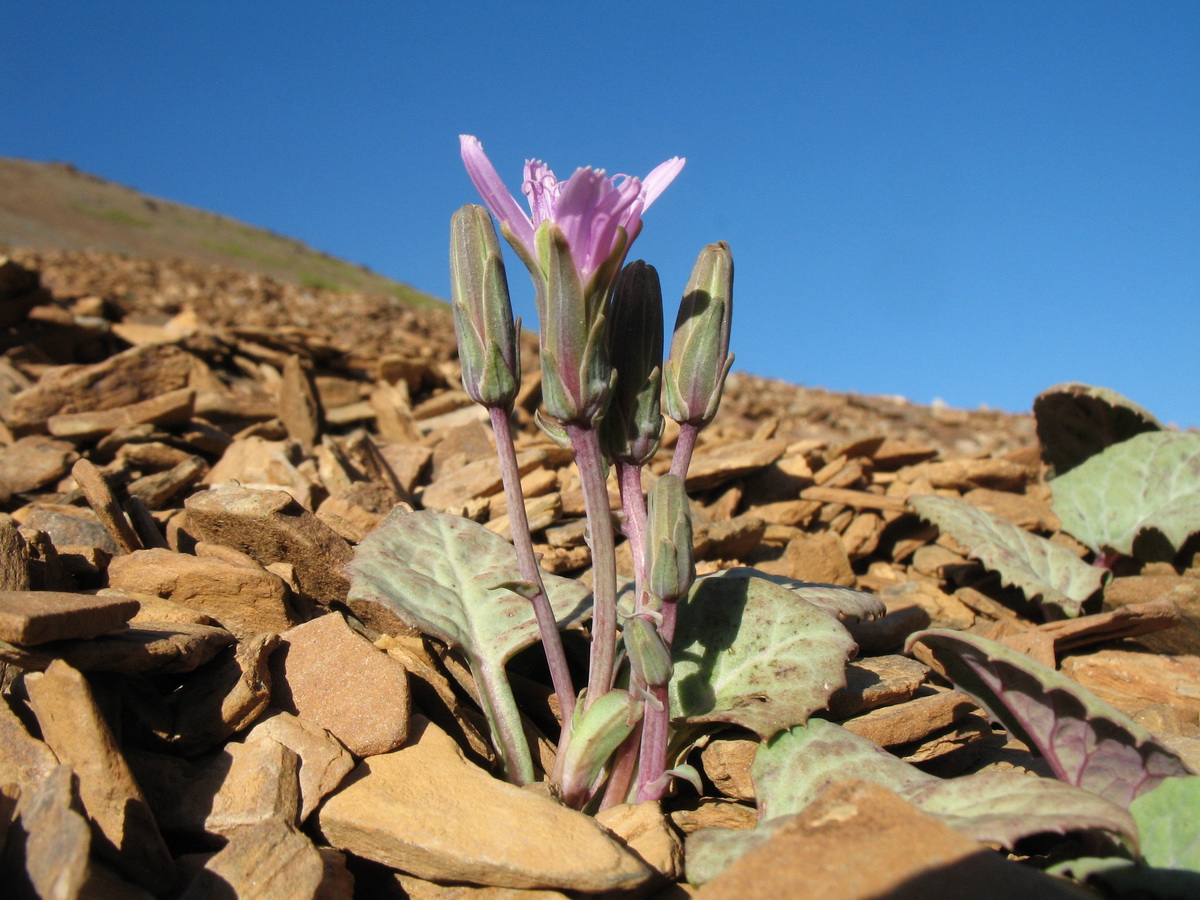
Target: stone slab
29, 618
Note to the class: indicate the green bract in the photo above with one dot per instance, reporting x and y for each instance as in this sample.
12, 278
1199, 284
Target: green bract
694, 374
649, 655
483, 319
669, 540
633, 424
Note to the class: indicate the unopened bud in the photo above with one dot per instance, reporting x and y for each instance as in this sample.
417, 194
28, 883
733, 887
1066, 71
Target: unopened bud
669, 552
576, 376
596, 733
483, 319
633, 424
649, 655
694, 374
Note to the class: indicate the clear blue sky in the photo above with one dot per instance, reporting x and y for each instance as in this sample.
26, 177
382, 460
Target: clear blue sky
958, 199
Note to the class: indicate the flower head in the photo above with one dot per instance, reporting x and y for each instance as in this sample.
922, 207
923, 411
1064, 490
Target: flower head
573, 241
589, 206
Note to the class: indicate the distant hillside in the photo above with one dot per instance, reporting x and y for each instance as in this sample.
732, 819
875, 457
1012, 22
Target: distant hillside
54, 206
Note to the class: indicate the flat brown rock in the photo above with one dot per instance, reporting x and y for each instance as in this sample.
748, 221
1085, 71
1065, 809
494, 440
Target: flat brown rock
270, 527
859, 841
323, 761
224, 697
33, 462
161, 647
711, 467
245, 601
648, 833
914, 720
14, 557
329, 674
172, 407
964, 474
124, 828
1184, 592
819, 557
129, 377
25, 760
58, 838
267, 861
727, 764
1131, 680
35, 617
876, 681
474, 480
384, 809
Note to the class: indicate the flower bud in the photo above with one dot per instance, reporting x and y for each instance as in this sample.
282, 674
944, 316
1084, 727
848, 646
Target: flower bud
695, 371
483, 319
576, 376
633, 424
669, 552
649, 655
596, 733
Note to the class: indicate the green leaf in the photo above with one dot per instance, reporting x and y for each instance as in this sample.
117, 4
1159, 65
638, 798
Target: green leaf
1086, 742
750, 652
846, 603
451, 578
795, 767
1076, 421
1150, 482
1026, 561
1168, 819
710, 851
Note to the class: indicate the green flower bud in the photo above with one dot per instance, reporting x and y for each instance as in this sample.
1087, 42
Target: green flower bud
694, 374
483, 319
576, 376
649, 655
633, 424
669, 552
596, 733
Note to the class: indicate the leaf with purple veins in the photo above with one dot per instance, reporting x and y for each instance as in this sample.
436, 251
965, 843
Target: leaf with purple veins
1086, 742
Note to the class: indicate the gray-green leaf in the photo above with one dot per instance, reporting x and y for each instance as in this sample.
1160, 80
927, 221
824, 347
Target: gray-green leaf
1027, 561
846, 603
750, 652
796, 766
1076, 421
446, 576
1149, 482
1168, 819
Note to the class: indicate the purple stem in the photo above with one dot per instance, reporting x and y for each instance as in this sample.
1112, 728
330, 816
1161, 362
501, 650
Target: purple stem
556, 658
624, 767
656, 724
684, 447
629, 478
585, 444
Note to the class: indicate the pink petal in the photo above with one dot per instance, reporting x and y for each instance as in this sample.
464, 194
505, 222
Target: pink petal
575, 213
656, 182
542, 189
491, 188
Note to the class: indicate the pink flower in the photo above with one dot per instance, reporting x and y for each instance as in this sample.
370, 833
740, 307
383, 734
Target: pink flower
589, 207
